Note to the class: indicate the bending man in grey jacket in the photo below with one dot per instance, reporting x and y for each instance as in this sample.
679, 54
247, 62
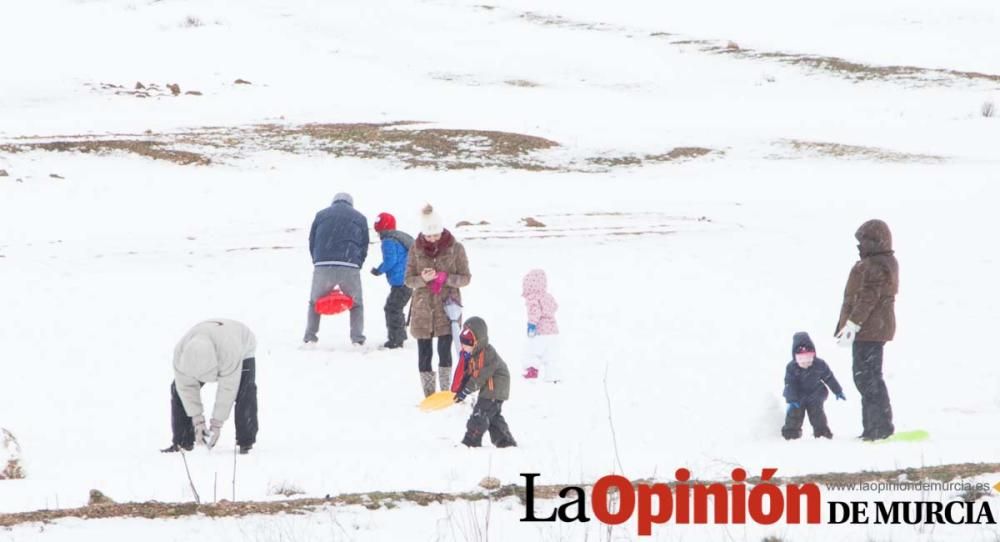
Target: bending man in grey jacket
214, 351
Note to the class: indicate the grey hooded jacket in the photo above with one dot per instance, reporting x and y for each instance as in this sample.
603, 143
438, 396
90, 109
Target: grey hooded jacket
486, 370
213, 351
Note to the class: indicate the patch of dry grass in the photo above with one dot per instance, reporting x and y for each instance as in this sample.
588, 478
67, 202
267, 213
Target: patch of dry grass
632, 160
429, 147
524, 83
562, 22
842, 151
856, 71
158, 510
147, 148
848, 69
389, 499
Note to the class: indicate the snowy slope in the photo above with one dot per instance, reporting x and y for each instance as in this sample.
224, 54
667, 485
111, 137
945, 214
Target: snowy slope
104, 270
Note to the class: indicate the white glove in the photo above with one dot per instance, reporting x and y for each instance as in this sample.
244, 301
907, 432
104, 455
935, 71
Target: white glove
212, 437
847, 334
199, 429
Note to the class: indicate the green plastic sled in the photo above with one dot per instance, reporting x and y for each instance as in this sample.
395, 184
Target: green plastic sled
906, 436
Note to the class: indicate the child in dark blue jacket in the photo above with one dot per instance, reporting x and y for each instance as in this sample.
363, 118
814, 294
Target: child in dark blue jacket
395, 249
806, 380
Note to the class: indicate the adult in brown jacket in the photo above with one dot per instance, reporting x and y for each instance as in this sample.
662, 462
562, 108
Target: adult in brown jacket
436, 268
868, 320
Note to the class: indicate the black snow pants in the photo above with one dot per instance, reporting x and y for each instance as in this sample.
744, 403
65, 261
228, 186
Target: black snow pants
244, 415
876, 411
486, 416
395, 320
813, 407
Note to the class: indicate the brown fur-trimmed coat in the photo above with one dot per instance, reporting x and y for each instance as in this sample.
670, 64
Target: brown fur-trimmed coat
427, 316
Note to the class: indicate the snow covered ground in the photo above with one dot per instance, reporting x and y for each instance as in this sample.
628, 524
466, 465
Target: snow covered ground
690, 319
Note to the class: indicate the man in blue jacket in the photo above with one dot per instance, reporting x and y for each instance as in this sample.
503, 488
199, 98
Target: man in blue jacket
395, 249
338, 242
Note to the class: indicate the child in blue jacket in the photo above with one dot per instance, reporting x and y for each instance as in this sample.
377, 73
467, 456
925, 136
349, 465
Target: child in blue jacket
806, 380
395, 249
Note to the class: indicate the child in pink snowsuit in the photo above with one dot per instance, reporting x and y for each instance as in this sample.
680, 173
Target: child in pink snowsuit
541, 353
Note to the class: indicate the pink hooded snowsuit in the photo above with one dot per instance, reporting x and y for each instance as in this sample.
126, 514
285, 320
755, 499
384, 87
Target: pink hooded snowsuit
541, 305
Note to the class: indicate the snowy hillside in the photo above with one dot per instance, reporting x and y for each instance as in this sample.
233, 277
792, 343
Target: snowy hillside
700, 171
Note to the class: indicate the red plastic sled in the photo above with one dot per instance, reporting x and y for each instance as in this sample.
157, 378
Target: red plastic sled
334, 302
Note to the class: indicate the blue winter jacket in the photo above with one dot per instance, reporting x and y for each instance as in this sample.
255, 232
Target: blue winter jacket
339, 236
395, 248
807, 386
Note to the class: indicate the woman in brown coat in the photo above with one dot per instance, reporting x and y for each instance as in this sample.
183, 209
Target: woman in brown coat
868, 320
436, 268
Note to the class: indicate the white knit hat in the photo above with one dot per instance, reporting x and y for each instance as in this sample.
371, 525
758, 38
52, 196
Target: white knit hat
430, 221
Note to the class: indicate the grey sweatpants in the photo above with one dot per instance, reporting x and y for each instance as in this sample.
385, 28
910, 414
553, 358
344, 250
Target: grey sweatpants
325, 277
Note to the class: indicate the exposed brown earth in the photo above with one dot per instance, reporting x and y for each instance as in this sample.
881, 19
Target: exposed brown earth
856, 71
852, 70
399, 142
841, 151
391, 499
147, 148
675, 154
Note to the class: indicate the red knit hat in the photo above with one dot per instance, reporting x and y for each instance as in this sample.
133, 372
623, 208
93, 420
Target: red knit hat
385, 222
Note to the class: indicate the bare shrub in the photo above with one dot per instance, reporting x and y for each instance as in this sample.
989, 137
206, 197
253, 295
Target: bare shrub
11, 449
490, 483
97, 498
285, 489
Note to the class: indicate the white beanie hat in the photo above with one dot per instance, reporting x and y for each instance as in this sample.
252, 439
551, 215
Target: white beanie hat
430, 221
